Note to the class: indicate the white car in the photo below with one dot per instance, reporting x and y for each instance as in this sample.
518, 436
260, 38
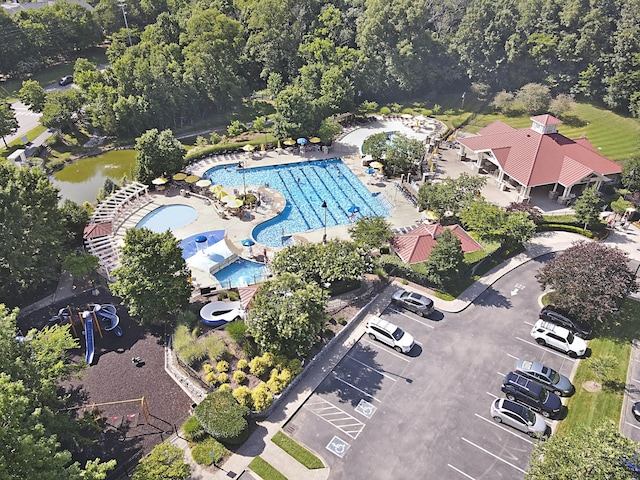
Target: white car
519, 417
392, 335
547, 333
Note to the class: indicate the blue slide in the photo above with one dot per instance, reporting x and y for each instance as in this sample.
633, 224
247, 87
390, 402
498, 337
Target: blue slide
88, 335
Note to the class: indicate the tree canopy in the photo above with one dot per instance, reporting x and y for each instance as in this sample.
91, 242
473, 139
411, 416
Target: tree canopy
372, 232
8, 122
589, 279
451, 196
165, 462
157, 154
153, 279
445, 260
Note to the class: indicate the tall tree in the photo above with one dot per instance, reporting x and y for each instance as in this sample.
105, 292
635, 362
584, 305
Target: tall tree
451, 195
153, 279
32, 231
587, 208
157, 153
372, 232
287, 315
631, 174
33, 95
404, 154
589, 279
8, 122
62, 109
445, 260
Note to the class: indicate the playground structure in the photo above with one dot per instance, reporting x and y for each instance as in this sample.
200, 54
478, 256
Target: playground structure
216, 314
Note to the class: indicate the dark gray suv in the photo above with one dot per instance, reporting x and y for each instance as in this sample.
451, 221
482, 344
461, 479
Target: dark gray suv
414, 302
532, 394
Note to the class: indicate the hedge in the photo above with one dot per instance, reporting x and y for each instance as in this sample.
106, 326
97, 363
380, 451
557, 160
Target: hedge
192, 429
201, 452
391, 263
563, 227
223, 418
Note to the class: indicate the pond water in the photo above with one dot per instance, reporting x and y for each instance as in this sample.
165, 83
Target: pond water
81, 180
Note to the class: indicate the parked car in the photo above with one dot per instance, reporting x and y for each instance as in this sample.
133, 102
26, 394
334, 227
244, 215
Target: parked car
519, 417
532, 394
66, 80
545, 376
547, 333
392, 335
636, 410
413, 302
564, 319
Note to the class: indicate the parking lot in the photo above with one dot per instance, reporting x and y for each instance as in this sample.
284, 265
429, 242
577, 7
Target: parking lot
380, 414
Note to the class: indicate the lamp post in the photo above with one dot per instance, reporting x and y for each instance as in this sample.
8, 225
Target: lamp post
244, 181
324, 237
122, 4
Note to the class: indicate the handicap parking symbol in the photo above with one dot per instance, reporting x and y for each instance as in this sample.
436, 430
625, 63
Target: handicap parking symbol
365, 408
338, 446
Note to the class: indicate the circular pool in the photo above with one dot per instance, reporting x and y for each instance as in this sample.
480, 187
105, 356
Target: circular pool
168, 217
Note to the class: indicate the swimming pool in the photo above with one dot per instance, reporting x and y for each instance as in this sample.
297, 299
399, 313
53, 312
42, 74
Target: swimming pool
305, 185
242, 273
168, 217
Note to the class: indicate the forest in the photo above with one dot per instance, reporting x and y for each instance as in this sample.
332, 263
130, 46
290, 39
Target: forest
183, 60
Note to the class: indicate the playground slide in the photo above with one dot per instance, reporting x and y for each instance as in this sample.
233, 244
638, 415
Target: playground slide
88, 335
108, 313
215, 314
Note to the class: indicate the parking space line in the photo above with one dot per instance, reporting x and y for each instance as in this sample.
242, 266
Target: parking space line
632, 425
335, 416
513, 356
635, 380
356, 388
504, 428
493, 455
492, 395
411, 317
460, 471
529, 323
390, 351
502, 374
547, 349
370, 368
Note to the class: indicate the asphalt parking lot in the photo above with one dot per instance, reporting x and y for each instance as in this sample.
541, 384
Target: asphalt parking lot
381, 414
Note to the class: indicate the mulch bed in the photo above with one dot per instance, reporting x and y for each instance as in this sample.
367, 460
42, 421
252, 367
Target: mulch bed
114, 378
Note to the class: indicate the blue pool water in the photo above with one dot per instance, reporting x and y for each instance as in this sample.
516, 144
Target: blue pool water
242, 273
305, 185
168, 217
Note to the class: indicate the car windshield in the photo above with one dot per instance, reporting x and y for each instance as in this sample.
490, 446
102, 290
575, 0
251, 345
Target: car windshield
398, 333
570, 338
530, 416
553, 376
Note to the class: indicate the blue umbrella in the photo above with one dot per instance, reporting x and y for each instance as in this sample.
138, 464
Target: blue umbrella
370, 171
302, 141
201, 239
354, 209
247, 242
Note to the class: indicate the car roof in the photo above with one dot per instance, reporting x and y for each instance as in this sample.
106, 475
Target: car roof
530, 366
514, 407
552, 327
388, 326
514, 378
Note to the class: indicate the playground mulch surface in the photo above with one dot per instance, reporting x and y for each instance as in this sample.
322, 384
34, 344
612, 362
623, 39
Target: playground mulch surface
131, 426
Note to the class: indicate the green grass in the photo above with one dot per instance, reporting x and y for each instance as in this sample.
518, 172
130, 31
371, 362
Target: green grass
264, 470
590, 408
297, 451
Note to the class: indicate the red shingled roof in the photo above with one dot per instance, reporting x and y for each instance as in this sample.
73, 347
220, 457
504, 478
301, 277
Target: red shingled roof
416, 246
535, 159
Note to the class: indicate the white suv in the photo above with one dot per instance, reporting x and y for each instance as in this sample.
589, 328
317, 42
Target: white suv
547, 333
390, 334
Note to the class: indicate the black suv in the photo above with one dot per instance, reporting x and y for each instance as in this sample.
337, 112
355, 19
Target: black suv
560, 317
532, 394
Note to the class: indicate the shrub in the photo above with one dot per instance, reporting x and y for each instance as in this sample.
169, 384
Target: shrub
196, 332
262, 398
239, 376
385, 110
249, 349
223, 377
242, 364
237, 330
269, 359
222, 295
295, 366
192, 429
222, 366
211, 378
223, 417
233, 295
201, 452
193, 353
342, 321
278, 381
243, 396
258, 366
208, 368
181, 336
216, 349
187, 317
225, 387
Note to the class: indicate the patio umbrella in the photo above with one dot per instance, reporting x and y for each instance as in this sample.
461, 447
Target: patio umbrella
201, 239
370, 171
192, 179
248, 148
215, 188
247, 242
354, 209
159, 181
263, 148
376, 165
302, 141
315, 140
289, 142
279, 145
220, 194
203, 182
233, 202
180, 176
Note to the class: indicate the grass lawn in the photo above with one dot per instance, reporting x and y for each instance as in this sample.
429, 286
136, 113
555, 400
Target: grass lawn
265, 470
297, 451
589, 408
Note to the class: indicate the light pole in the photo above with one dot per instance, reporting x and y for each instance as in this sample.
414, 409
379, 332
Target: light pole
244, 180
324, 237
122, 4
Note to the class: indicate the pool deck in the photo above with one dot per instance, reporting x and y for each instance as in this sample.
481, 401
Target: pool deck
404, 213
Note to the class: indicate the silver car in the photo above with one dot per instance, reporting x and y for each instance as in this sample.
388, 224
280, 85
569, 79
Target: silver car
545, 376
519, 417
414, 302
392, 335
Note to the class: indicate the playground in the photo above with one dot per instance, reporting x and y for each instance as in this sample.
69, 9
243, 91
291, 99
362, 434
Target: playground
137, 404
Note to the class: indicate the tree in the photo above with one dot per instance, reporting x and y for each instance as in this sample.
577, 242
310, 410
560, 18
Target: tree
404, 153
534, 98
222, 417
583, 452
481, 90
32, 231
295, 113
503, 101
157, 153
451, 196
372, 232
8, 122
562, 105
76, 218
328, 130
587, 208
153, 279
631, 174
532, 211
287, 315
165, 462
62, 109
484, 218
443, 264
589, 279
517, 229
376, 145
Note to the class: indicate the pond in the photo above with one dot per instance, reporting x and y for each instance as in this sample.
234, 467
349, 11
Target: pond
80, 181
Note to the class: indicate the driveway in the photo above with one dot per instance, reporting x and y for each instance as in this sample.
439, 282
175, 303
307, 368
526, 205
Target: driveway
379, 414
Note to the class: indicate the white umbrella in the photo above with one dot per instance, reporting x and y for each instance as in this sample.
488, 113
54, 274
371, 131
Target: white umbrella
204, 182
